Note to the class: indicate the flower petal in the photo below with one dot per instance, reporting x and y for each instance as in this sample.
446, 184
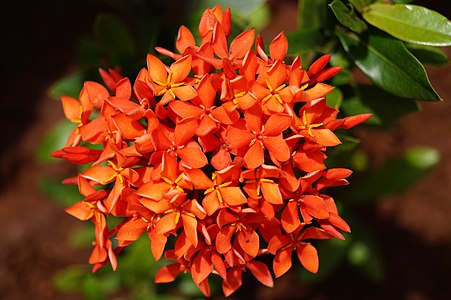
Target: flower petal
157, 244
184, 40
202, 267
180, 69
156, 68
249, 241
271, 193
167, 223
278, 148
233, 195
308, 256
255, 156
290, 217
192, 156
72, 108
242, 43
315, 206
185, 110
190, 228
100, 174
153, 190
131, 230
276, 124
184, 92
261, 272
278, 47
282, 262
184, 130
233, 281
168, 273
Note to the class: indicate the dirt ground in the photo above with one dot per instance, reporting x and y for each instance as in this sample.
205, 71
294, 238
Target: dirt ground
413, 228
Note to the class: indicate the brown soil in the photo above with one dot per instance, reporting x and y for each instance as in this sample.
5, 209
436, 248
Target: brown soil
413, 228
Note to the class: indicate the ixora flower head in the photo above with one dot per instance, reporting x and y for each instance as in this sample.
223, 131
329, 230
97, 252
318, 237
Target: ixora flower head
221, 153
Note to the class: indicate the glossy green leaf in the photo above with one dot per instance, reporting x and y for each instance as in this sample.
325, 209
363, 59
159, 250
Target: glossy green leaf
312, 14
402, 1
69, 85
389, 64
53, 140
410, 23
386, 109
347, 17
394, 177
428, 54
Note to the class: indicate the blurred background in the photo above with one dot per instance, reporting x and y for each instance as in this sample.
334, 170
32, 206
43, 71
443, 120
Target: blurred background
41, 43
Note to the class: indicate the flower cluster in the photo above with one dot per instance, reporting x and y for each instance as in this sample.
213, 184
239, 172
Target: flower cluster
222, 151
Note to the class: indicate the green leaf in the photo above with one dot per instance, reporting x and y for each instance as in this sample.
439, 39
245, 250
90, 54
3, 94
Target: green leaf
410, 23
394, 177
428, 54
386, 109
389, 64
53, 140
69, 85
347, 17
312, 14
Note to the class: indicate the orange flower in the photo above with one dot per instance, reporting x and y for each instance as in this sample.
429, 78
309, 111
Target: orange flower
170, 84
283, 246
222, 192
250, 138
